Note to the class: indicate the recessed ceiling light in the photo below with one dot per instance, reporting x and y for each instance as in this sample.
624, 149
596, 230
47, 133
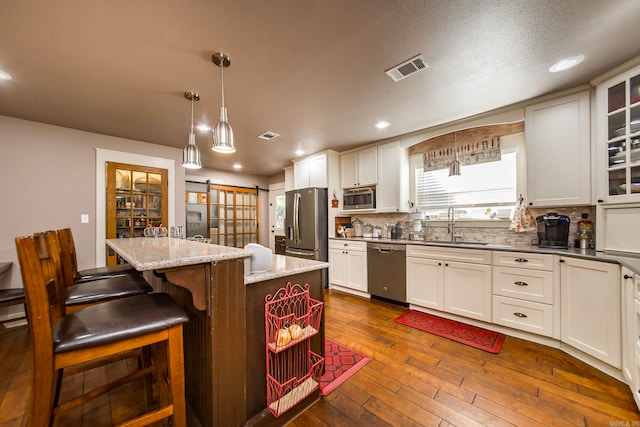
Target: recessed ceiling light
299, 152
203, 128
382, 124
566, 63
4, 75
237, 166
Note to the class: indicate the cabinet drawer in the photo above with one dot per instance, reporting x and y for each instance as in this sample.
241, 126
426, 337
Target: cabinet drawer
524, 315
477, 256
347, 244
523, 260
530, 285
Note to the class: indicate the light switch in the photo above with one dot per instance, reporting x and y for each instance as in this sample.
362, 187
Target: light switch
84, 218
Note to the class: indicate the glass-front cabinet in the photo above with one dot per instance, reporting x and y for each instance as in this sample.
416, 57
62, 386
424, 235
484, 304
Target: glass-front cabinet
619, 137
136, 198
233, 215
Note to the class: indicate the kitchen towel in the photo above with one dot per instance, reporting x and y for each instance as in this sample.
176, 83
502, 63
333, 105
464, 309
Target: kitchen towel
522, 220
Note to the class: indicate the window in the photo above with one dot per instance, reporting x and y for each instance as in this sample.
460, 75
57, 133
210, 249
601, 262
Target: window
482, 191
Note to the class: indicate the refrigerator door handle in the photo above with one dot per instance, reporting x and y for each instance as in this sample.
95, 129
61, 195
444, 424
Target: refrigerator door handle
296, 217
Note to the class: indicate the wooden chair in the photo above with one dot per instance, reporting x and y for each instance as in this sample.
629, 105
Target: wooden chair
70, 262
8, 298
94, 333
96, 288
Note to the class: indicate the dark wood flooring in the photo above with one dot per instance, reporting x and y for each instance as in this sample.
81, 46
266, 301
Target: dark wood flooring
415, 378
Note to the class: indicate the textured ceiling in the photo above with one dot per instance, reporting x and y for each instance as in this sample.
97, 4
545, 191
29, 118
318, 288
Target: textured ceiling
310, 70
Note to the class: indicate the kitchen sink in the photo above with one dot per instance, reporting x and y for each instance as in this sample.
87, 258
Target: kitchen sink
444, 242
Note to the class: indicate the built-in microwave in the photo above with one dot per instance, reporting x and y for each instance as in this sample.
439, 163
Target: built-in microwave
359, 198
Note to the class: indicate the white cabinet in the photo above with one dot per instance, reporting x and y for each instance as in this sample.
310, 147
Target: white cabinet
618, 137
310, 171
288, 179
348, 264
454, 280
590, 305
557, 139
524, 292
392, 191
359, 168
425, 282
467, 290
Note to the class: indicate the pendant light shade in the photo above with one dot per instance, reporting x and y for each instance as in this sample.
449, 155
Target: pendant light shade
454, 166
191, 154
223, 140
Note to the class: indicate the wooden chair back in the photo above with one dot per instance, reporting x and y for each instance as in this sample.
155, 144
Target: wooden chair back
68, 257
43, 304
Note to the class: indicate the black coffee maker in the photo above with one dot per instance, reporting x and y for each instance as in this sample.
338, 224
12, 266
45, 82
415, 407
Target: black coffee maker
553, 230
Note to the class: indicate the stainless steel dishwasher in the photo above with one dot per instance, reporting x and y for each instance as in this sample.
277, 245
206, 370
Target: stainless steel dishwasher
387, 271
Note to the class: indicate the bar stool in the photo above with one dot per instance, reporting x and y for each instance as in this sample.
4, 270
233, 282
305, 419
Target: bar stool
103, 330
88, 292
70, 262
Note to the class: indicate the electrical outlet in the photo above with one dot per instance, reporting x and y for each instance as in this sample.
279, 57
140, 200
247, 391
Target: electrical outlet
84, 218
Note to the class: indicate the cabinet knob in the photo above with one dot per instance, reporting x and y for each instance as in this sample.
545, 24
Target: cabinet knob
521, 283
600, 201
627, 276
530, 203
446, 264
521, 315
521, 260
561, 260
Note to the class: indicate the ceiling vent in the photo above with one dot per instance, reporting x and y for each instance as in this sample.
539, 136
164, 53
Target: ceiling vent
269, 135
408, 67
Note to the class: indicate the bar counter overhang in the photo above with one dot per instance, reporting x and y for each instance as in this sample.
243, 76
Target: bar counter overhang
225, 337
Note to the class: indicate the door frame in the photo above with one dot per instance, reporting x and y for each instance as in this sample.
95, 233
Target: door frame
275, 190
102, 157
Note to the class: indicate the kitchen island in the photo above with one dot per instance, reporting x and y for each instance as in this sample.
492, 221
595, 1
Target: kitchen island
224, 339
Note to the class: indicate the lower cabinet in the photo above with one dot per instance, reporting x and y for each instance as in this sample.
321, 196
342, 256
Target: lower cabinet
628, 317
525, 292
590, 306
348, 264
439, 278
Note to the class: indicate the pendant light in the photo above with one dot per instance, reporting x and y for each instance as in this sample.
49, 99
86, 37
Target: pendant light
223, 140
191, 153
454, 167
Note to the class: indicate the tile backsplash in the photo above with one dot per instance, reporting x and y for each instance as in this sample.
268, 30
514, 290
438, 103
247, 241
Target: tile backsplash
494, 235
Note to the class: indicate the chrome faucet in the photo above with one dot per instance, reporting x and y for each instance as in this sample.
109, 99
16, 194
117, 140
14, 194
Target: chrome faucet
451, 224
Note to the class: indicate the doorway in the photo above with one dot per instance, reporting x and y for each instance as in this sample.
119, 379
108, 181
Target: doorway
276, 215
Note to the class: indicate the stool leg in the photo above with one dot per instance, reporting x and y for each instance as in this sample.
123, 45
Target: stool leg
175, 352
144, 361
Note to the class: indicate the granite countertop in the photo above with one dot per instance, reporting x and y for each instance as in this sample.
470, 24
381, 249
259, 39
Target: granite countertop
282, 266
154, 253
630, 261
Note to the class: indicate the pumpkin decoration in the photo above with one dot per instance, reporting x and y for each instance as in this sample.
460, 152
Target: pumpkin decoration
295, 331
283, 337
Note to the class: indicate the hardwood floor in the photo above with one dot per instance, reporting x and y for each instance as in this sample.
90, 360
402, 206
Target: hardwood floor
414, 378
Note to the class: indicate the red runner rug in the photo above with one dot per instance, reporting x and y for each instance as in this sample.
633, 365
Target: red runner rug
473, 336
340, 363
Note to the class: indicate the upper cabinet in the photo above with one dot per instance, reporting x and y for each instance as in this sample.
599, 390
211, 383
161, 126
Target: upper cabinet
312, 171
392, 191
557, 140
618, 137
359, 168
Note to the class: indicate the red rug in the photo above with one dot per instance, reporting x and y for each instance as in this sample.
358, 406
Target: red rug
457, 331
340, 363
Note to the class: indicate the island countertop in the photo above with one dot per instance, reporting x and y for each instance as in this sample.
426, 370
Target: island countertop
282, 266
155, 253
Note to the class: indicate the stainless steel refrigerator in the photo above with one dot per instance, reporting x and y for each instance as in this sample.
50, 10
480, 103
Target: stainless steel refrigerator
306, 224
197, 207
